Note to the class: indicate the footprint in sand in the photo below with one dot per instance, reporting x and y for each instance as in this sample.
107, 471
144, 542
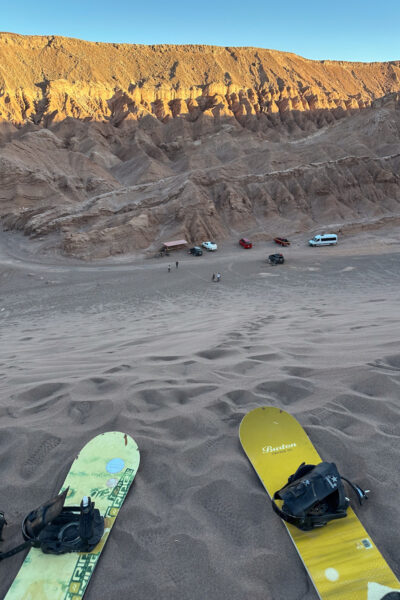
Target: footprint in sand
38, 456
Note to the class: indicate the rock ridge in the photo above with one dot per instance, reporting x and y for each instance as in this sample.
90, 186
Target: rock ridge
114, 148
46, 79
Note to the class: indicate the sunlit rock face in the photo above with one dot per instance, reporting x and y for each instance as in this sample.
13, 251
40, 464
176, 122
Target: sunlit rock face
114, 147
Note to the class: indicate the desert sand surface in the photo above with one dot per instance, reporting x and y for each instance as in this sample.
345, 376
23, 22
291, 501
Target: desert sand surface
176, 361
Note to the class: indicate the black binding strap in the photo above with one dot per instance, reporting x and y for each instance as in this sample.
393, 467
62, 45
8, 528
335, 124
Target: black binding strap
307, 522
15, 550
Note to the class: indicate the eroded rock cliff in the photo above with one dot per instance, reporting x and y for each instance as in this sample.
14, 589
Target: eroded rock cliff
46, 79
114, 147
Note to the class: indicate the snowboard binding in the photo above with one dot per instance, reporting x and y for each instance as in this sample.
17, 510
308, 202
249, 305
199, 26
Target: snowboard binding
315, 495
57, 529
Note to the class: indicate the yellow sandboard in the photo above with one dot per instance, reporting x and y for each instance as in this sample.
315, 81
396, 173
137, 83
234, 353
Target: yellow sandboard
341, 558
104, 470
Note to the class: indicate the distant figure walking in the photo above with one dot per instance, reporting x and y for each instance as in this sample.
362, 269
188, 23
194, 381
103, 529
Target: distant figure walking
218, 277
169, 268
177, 264
213, 277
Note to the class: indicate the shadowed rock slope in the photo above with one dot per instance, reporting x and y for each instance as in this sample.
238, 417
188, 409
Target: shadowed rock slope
116, 147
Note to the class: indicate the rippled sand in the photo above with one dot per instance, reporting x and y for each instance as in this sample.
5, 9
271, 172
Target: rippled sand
176, 361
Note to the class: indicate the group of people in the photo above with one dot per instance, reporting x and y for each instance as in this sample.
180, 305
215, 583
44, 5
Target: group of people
215, 276
176, 266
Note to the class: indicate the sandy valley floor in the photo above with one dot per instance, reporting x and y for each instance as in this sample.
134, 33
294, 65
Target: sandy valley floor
176, 361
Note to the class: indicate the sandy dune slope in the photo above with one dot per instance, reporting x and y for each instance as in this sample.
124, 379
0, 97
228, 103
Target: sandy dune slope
176, 361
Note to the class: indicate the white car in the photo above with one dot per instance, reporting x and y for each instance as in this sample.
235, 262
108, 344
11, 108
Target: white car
212, 246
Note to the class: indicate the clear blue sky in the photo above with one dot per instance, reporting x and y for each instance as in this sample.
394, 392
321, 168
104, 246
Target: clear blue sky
359, 30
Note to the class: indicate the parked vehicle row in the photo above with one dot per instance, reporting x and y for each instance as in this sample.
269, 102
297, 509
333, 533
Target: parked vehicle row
323, 239
197, 250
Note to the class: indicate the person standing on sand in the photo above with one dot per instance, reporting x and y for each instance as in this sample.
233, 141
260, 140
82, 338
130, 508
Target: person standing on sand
218, 277
213, 277
169, 268
177, 264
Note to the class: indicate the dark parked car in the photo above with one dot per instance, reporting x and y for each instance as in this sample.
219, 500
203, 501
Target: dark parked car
196, 251
282, 241
276, 259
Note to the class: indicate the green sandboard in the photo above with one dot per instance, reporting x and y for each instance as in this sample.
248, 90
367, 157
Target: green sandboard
341, 559
104, 470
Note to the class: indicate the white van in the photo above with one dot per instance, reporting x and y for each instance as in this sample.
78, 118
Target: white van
324, 239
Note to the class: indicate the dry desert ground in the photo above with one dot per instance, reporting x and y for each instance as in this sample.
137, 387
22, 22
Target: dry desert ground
176, 361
